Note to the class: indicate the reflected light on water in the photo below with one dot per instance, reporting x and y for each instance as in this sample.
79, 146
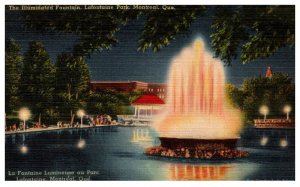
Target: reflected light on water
139, 135
81, 144
24, 149
283, 143
264, 140
199, 172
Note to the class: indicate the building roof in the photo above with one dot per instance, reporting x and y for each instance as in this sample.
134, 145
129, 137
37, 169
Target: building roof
148, 99
119, 82
269, 72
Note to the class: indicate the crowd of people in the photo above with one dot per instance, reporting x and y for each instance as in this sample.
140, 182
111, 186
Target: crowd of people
101, 119
20, 127
93, 120
13, 128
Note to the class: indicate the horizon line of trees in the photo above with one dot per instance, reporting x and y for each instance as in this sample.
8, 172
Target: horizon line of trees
274, 92
48, 89
54, 91
245, 32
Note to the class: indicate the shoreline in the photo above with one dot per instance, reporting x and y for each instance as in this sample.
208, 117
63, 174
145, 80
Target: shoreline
72, 128
55, 129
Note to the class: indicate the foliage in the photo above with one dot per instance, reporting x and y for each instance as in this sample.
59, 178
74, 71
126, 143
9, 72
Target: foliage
111, 102
258, 30
72, 83
37, 80
274, 92
96, 29
161, 26
13, 70
234, 95
251, 32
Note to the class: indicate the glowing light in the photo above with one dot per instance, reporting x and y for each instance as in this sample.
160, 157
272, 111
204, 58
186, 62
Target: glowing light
283, 143
24, 149
81, 144
80, 113
264, 141
141, 137
24, 114
264, 110
196, 105
287, 109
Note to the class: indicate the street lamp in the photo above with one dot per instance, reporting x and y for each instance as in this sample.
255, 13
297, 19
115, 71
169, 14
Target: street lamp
80, 113
264, 110
24, 114
287, 109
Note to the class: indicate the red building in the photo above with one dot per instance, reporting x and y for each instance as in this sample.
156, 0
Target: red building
153, 88
147, 105
145, 108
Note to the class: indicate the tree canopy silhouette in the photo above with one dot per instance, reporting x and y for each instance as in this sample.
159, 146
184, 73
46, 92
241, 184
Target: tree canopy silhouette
245, 32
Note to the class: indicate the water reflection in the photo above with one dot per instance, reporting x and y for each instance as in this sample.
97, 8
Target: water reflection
142, 137
81, 144
121, 155
199, 172
283, 143
23, 149
264, 140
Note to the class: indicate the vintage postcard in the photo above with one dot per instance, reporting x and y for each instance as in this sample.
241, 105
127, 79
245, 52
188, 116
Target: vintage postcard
149, 92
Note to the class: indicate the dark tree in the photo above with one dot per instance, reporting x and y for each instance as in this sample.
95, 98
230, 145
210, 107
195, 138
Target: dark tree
111, 102
72, 83
259, 31
161, 27
247, 32
96, 29
38, 81
275, 92
13, 70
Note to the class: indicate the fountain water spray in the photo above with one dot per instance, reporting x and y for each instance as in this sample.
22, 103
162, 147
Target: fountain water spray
197, 111
196, 105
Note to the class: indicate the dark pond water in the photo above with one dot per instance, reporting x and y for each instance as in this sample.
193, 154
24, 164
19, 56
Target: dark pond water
116, 153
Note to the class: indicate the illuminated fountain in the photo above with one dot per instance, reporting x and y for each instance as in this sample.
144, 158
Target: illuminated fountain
198, 122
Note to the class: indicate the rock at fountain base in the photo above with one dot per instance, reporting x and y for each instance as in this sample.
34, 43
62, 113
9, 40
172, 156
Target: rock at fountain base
197, 148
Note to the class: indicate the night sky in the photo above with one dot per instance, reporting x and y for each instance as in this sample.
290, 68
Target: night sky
125, 63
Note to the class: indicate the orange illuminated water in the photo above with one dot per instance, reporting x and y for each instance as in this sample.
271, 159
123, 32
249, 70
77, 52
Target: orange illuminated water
199, 172
196, 105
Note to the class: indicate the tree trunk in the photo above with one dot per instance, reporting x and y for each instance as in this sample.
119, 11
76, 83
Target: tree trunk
69, 91
72, 118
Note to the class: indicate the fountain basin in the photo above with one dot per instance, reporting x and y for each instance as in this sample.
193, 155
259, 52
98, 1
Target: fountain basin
197, 148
